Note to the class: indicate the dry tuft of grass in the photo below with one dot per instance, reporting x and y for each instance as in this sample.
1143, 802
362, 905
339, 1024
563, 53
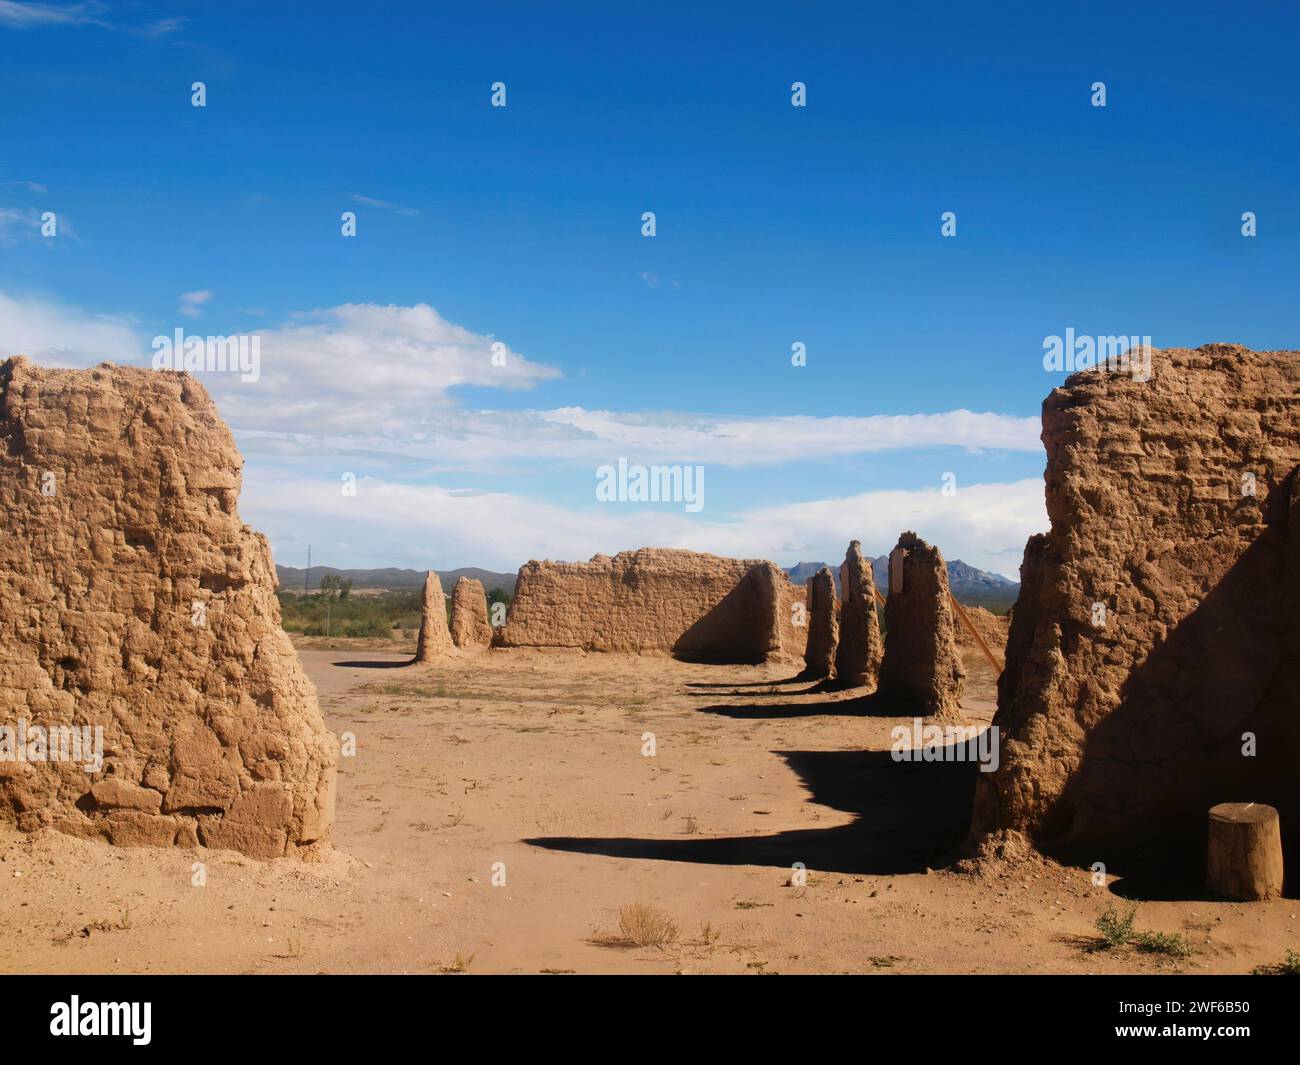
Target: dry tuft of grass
708, 934
458, 964
293, 948
640, 925
121, 925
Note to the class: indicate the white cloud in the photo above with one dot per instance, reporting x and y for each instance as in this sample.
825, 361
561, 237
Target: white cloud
451, 438
374, 379
985, 525
162, 27
27, 15
365, 370
26, 223
370, 201
18, 222
21, 15
746, 441
57, 335
192, 302
372, 382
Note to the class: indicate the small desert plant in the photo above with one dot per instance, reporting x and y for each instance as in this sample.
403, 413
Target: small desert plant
645, 926
708, 934
1116, 928
1117, 931
1170, 943
640, 925
121, 925
459, 964
1289, 967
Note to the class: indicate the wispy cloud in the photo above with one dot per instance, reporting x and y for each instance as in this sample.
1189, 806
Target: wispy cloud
449, 438
24, 223
378, 380
501, 530
19, 14
370, 201
28, 16
370, 386
14, 223
57, 335
192, 302
30, 186
783, 438
366, 370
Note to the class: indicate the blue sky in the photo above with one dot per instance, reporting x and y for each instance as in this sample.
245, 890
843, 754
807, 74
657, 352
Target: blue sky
522, 224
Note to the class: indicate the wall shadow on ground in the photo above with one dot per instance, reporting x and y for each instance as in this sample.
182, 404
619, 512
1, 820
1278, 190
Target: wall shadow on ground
873, 705
710, 685
769, 693
906, 816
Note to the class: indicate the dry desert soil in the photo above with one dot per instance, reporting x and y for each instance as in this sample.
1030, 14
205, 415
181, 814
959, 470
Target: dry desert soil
530, 766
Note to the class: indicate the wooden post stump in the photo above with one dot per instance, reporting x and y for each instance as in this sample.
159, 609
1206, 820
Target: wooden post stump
1244, 856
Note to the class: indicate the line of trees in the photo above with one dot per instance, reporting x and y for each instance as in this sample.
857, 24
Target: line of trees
333, 610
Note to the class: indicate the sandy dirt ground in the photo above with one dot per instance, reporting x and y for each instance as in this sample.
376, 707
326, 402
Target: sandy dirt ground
531, 767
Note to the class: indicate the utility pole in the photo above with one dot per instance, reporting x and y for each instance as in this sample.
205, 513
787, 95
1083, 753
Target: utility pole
306, 579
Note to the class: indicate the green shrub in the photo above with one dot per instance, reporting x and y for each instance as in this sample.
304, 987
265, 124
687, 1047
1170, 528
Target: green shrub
1116, 929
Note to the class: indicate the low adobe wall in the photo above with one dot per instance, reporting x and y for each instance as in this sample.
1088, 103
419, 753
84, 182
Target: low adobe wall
658, 600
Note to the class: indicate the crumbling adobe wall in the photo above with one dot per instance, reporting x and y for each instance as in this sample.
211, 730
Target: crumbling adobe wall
823, 626
434, 639
134, 600
470, 629
792, 616
1173, 506
651, 600
752, 623
922, 667
860, 650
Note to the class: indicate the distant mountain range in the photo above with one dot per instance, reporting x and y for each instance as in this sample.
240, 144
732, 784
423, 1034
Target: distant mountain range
395, 580
966, 582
